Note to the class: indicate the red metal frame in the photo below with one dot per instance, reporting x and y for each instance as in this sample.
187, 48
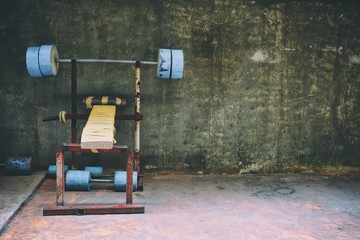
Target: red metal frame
92, 209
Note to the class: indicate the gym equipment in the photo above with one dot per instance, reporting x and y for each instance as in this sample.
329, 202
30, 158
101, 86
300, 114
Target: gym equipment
44, 61
77, 180
52, 170
170, 64
41, 61
18, 165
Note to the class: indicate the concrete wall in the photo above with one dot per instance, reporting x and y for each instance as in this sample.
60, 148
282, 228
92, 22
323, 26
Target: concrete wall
268, 85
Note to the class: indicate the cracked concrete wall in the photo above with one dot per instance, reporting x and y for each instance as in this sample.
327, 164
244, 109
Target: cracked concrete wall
268, 85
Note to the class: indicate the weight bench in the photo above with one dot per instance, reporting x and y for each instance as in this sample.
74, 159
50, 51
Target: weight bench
43, 61
97, 137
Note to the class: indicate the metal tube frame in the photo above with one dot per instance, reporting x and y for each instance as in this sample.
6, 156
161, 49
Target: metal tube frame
73, 109
85, 116
137, 127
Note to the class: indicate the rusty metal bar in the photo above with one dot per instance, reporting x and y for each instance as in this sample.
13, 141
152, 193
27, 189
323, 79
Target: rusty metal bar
60, 177
73, 108
76, 147
137, 111
137, 125
85, 116
129, 177
93, 210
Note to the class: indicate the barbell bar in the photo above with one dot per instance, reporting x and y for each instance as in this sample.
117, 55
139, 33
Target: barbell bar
90, 60
44, 61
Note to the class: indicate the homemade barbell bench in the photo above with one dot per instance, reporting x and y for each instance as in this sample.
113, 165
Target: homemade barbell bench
98, 134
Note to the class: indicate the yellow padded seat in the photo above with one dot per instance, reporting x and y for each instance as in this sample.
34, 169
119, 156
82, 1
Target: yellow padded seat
99, 130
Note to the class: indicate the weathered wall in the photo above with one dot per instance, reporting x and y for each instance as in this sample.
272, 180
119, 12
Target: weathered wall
268, 85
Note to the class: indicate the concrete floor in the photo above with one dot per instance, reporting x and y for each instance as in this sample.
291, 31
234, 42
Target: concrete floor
14, 192
278, 206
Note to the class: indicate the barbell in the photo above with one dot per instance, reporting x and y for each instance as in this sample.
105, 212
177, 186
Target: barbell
44, 61
77, 180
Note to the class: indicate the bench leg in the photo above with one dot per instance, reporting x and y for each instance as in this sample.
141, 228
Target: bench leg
60, 186
129, 177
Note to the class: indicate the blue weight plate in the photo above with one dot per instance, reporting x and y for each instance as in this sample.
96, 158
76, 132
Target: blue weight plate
177, 64
32, 61
48, 55
164, 64
77, 180
52, 170
94, 171
120, 181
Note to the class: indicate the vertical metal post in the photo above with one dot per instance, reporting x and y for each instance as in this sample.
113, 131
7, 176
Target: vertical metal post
60, 188
73, 108
129, 177
137, 124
